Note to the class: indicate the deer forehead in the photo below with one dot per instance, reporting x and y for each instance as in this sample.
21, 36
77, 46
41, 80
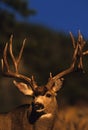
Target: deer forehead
42, 91
46, 98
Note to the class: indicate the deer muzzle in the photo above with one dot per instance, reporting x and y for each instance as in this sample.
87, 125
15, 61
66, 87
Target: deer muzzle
38, 107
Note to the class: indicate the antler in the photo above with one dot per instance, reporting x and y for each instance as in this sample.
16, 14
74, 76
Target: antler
81, 43
5, 65
77, 57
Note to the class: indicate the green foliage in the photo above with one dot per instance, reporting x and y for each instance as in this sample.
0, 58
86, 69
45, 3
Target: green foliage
20, 6
8, 12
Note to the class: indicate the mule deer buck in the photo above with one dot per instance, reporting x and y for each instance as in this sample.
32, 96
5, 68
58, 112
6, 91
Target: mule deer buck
43, 111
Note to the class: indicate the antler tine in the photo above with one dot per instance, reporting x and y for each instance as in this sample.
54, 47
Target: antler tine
8, 72
80, 64
21, 51
85, 53
34, 85
16, 61
51, 75
73, 40
11, 53
81, 44
4, 60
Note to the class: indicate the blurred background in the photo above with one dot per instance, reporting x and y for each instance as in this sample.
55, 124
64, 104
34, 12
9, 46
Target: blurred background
46, 25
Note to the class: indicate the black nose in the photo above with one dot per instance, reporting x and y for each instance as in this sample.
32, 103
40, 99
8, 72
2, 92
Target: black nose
37, 106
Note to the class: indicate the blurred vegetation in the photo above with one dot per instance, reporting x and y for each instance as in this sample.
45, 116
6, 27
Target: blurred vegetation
46, 51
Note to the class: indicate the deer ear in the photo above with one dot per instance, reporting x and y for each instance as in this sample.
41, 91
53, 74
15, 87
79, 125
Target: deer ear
24, 88
58, 84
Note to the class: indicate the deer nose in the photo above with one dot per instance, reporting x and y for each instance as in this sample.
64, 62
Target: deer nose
38, 106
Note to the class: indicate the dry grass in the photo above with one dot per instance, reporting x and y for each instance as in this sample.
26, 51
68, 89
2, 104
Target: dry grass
69, 118
73, 118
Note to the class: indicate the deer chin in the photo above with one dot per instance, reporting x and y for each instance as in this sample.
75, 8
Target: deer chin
35, 115
47, 115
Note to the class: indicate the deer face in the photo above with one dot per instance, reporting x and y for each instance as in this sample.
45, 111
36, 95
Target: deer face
44, 99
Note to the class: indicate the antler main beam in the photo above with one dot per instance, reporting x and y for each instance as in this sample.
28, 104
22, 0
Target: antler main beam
76, 59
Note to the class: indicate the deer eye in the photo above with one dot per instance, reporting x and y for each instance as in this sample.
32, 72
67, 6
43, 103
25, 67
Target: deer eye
48, 95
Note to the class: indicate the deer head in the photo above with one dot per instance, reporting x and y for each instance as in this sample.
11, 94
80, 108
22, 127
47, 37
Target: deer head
44, 102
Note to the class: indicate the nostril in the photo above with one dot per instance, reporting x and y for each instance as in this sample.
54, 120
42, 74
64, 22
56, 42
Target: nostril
38, 106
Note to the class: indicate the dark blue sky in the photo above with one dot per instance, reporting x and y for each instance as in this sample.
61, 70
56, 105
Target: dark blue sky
62, 15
